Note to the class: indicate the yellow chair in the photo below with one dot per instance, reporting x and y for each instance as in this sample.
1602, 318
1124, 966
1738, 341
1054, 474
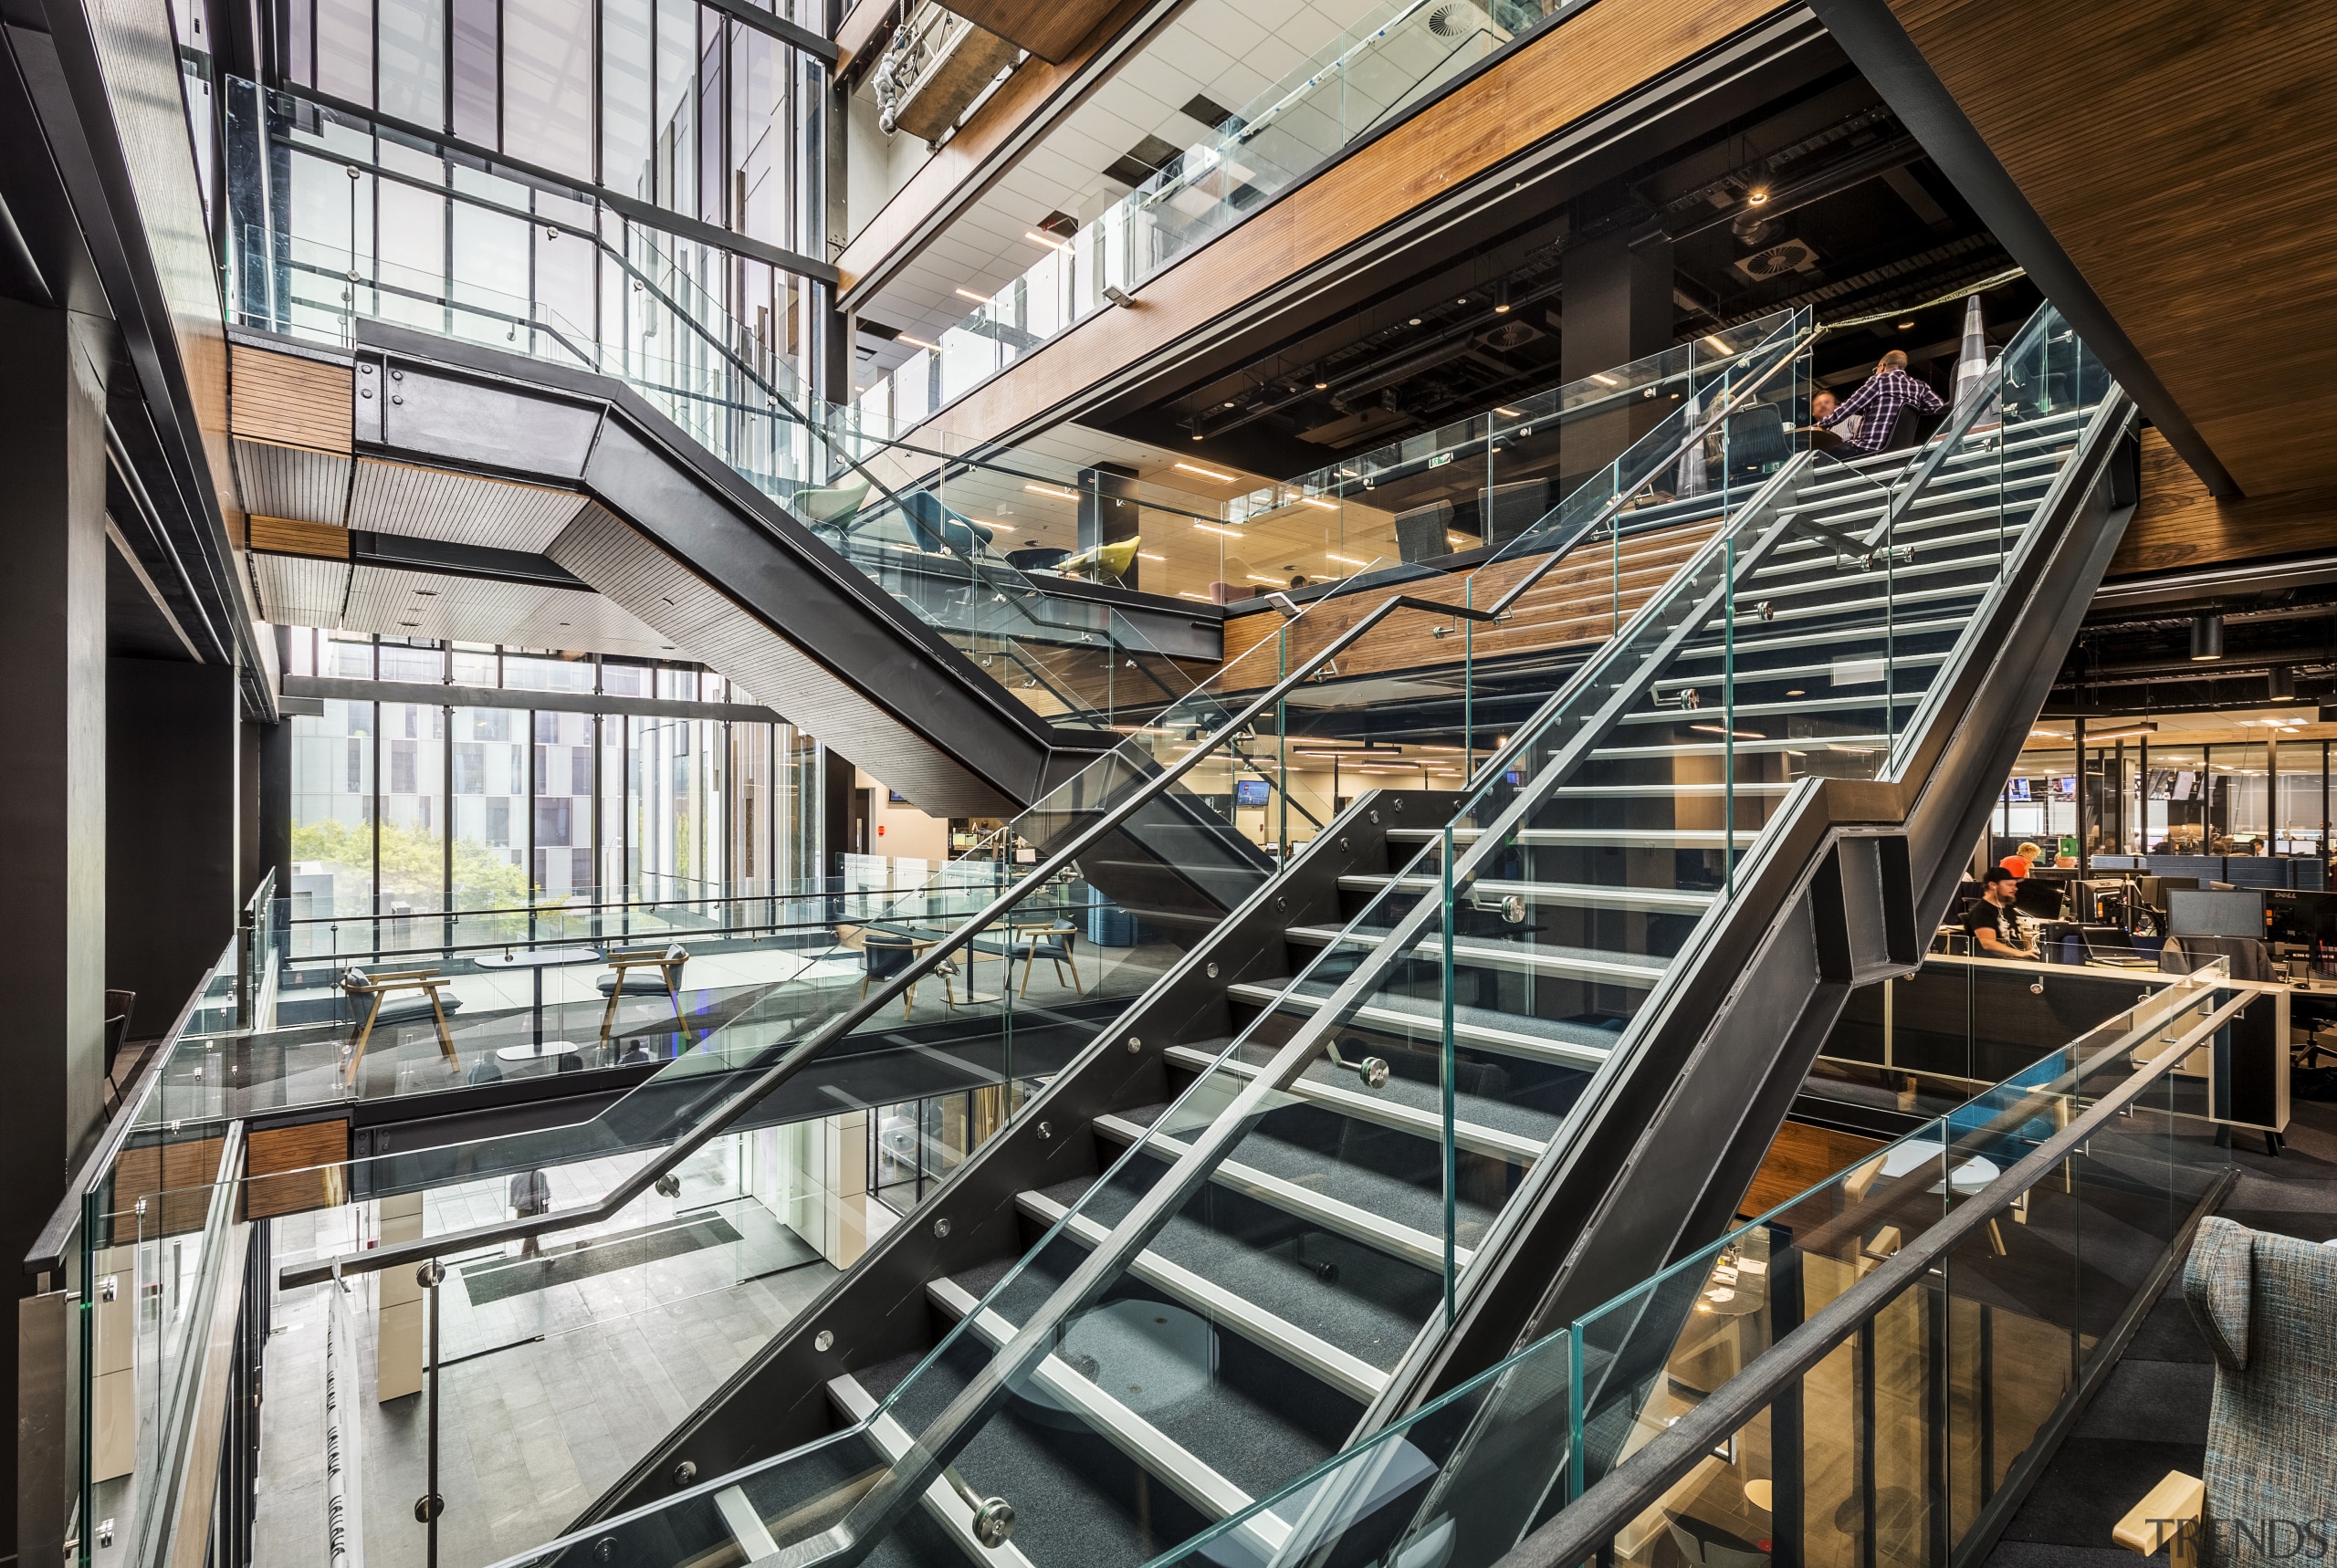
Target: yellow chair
1101, 563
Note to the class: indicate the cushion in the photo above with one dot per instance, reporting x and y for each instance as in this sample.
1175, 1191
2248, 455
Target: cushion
637, 982
2215, 1281
2267, 1430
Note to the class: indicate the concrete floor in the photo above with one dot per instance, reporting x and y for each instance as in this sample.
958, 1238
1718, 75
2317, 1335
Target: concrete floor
529, 1434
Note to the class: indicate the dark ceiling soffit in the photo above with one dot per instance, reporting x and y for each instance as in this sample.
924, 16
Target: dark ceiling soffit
1870, 34
161, 606
1748, 53
2247, 577
19, 273
439, 144
335, 689
1093, 73
700, 468
66, 81
403, 553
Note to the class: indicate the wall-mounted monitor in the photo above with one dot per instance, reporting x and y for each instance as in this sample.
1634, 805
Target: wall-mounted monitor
1249, 792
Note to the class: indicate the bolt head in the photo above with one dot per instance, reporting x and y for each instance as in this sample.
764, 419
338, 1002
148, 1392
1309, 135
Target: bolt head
686, 1473
824, 1340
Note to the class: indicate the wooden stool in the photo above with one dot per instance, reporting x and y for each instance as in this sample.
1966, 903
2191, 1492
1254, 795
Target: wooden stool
358, 983
668, 961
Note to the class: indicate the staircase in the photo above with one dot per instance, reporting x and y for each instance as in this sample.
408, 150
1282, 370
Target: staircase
1366, 1132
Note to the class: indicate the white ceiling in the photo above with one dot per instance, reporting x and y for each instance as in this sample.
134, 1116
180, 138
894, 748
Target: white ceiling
1230, 51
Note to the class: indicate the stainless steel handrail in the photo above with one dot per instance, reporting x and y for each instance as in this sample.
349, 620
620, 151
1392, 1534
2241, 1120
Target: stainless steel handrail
802, 1055
1590, 1521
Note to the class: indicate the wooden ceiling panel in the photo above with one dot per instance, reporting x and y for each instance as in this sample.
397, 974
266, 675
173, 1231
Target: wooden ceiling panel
1050, 29
2185, 157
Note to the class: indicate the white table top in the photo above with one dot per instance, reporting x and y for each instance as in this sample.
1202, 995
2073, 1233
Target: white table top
538, 958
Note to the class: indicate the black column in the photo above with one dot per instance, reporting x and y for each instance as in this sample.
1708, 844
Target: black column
1616, 308
1108, 511
52, 798
175, 756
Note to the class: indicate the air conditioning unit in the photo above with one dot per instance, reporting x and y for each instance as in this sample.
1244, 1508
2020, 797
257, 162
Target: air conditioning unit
1787, 255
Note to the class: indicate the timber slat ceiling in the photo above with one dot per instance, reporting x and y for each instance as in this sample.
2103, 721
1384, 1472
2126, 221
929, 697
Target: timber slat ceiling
1597, 56
461, 509
2178, 524
289, 536
2185, 156
288, 400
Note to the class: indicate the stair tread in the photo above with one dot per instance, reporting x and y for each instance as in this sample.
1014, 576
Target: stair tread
1489, 1124
1370, 1193
1571, 1044
1368, 1315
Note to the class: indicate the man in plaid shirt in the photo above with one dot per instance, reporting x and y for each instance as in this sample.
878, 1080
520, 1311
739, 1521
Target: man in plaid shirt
1887, 391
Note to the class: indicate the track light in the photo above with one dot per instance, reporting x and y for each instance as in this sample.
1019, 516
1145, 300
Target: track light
2207, 638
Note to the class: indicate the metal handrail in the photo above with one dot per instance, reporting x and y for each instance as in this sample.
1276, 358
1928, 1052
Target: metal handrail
47, 1254
906, 1479
922, 968
1590, 1521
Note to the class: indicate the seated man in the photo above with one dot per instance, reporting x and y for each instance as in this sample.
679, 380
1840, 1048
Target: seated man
1990, 920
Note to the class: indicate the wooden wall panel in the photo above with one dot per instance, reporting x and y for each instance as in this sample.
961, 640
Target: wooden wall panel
1800, 1158
2178, 524
289, 536
1594, 57
1574, 603
175, 1180
289, 399
2185, 156
295, 1168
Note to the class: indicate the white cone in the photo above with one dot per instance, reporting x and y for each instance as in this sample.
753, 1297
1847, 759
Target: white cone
1972, 360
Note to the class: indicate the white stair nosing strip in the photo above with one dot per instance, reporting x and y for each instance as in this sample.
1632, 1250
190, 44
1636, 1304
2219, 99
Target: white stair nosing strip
1400, 1241
1806, 743
1186, 1473
1839, 637
1578, 894
1785, 708
1351, 1375
1478, 955
941, 1500
746, 1526
1695, 792
1506, 1042
1361, 1107
1797, 672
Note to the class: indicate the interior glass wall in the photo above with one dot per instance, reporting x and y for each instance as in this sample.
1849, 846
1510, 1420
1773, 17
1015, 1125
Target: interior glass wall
403, 808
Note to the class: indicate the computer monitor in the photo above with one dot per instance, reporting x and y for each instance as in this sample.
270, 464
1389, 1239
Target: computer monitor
2167, 884
2300, 918
2039, 897
2202, 912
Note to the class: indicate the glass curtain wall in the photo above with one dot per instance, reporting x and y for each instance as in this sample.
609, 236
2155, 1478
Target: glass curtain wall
405, 809
666, 102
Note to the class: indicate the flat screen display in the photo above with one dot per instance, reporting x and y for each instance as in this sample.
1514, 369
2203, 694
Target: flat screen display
1249, 792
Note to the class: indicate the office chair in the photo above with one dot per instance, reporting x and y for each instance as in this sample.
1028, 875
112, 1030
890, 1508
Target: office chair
2261, 1302
1757, 440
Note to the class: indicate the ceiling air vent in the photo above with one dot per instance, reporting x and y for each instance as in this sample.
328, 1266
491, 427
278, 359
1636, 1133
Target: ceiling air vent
1791, 256
1454, 21
1510, 335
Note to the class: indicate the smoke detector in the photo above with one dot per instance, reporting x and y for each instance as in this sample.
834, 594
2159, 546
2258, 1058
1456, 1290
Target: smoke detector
1788, 255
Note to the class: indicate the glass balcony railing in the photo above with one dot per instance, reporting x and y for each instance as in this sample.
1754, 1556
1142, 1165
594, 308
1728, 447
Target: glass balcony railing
1359, 82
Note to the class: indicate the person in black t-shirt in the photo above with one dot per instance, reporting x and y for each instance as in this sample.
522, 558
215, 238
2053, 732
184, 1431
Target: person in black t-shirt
1989, 921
